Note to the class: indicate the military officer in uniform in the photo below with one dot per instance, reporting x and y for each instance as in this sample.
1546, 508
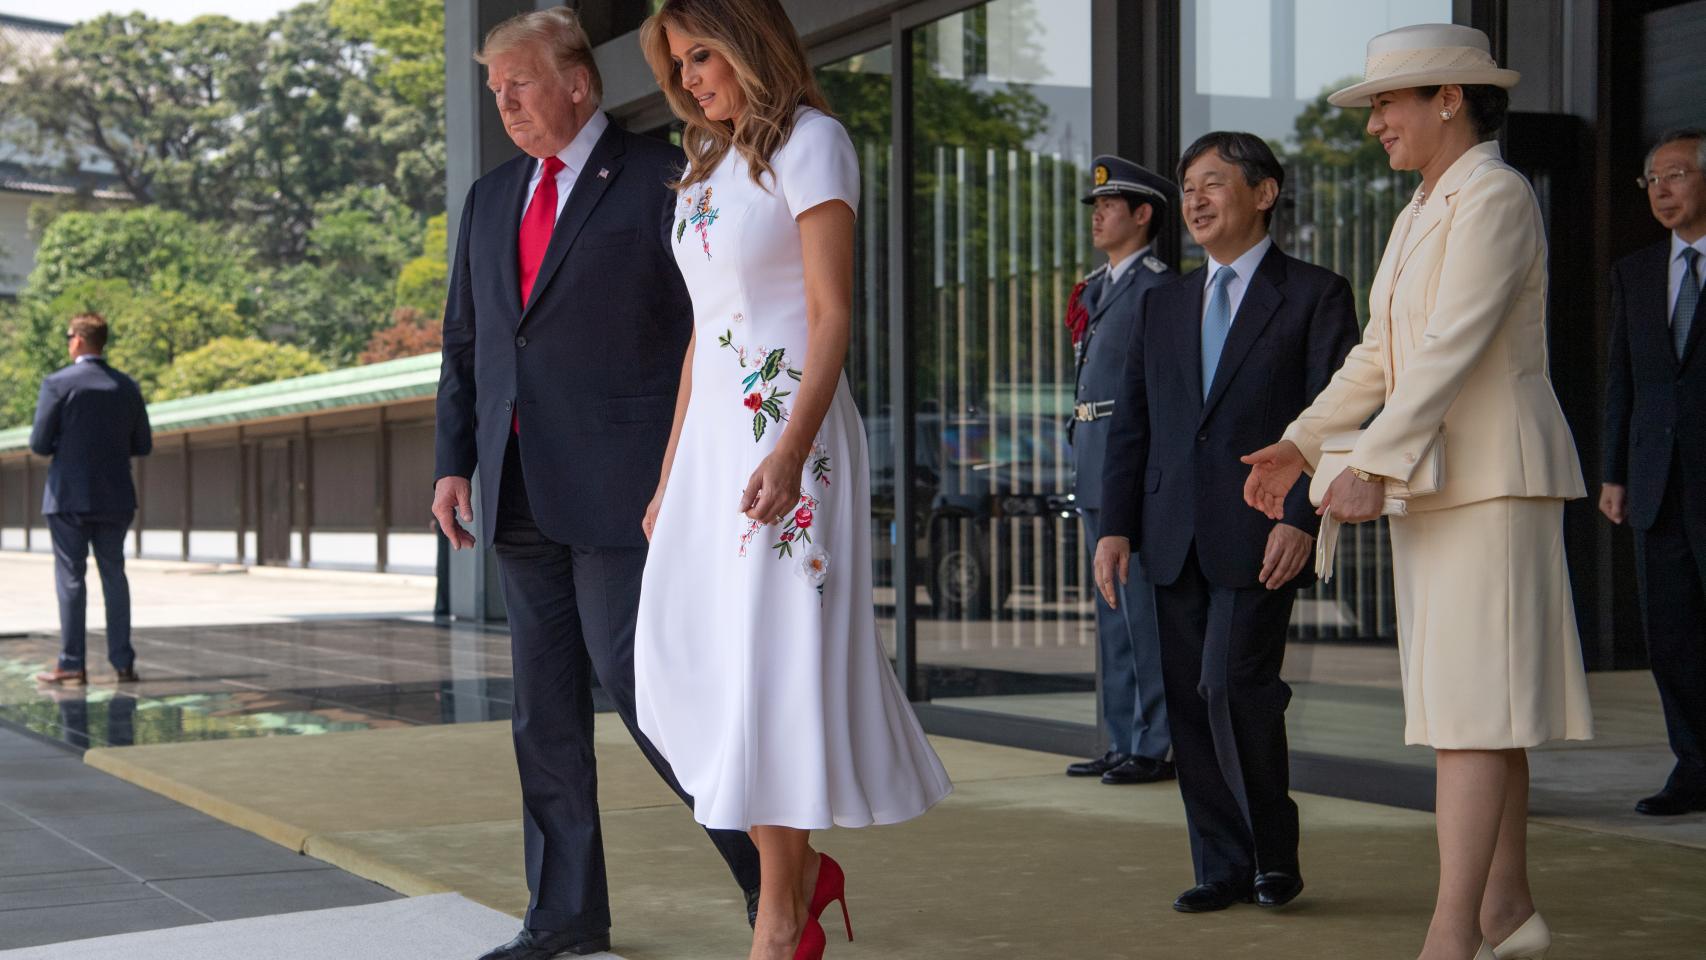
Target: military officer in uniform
1130, 204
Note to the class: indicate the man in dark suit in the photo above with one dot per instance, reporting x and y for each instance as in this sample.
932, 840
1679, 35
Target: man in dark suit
1225, 358
564, 334
1655, 450
91, 420
1129, 204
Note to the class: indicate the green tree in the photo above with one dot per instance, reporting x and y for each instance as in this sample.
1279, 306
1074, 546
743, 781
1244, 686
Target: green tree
226, 363
343, 289
421, 283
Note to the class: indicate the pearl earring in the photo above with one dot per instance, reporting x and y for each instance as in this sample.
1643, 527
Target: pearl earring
1445, 114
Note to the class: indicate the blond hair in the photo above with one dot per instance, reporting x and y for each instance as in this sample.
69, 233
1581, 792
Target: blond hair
92, 327
770, 66
558, 30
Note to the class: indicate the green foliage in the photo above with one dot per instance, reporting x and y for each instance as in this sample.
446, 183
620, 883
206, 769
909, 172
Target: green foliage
409, 37
1332, 137
421, 283
332, 302
132, 246
226, 363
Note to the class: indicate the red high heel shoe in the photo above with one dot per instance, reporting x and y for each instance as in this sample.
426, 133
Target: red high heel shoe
831, 887
812, 941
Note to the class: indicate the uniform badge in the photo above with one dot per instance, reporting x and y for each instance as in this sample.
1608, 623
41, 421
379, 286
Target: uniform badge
1101, 174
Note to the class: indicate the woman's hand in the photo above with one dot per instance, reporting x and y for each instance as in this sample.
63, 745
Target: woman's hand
774, 489
1351, 500
1273, 472
650, 521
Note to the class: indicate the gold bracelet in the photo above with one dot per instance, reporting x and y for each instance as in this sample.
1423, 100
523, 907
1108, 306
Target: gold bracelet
1367, 477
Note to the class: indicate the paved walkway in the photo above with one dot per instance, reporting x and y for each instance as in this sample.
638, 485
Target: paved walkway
83, 854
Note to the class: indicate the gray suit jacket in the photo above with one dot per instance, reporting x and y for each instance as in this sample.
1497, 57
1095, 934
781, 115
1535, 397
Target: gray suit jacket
1101, 365
91, 420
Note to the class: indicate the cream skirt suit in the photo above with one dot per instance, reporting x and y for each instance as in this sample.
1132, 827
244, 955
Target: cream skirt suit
1455, 352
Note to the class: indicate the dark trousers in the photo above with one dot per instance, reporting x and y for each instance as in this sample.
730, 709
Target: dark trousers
1221, 652
74, 534
571, 617
1134, 705
1670, 566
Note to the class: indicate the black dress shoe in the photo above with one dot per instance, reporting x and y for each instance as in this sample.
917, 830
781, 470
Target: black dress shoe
1099, 766
1277, 888
1209, 897
1140, 770
1671, 803
543, 945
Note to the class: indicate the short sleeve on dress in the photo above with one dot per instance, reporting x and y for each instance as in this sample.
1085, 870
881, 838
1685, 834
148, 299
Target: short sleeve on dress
817, 164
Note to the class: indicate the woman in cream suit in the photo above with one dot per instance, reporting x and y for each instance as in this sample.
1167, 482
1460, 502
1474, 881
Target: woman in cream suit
1455, 353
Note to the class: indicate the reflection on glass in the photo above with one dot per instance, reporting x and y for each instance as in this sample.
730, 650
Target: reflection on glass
1337, 209
1001, 120
859, 90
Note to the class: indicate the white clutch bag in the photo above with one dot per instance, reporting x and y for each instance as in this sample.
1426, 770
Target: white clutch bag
1335, 457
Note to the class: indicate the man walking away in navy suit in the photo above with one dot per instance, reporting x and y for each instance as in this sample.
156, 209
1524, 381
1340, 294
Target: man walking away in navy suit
1655, 450
91, 420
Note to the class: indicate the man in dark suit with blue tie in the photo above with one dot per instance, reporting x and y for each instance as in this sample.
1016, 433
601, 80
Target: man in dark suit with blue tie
91, 420
1130, 205
1655, 450
564, 334
1225, 358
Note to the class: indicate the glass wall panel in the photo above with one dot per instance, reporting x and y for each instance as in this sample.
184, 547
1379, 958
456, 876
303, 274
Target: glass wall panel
860, 92
1001, 126
1266, 66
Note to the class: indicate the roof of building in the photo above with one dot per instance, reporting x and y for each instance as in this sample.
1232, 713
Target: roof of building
26, 38
407, 379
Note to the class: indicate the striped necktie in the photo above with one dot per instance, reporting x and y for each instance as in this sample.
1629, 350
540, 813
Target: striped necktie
1686, 300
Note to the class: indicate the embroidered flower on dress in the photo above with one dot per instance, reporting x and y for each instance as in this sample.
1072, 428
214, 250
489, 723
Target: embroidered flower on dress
766, 367
814, 568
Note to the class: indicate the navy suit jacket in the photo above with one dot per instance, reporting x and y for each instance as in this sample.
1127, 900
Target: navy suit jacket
1655, 404
1173, 476
1101, 362
91, 420
590, 364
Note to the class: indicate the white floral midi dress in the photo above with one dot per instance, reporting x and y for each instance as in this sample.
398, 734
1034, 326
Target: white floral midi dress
759, 673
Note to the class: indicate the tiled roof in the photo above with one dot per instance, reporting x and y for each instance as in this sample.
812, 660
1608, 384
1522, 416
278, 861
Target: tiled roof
25, 38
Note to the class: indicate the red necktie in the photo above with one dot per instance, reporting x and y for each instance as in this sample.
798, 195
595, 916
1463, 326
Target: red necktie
536, 226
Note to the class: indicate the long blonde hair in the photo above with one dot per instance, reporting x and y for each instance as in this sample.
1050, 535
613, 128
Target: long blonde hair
770, 66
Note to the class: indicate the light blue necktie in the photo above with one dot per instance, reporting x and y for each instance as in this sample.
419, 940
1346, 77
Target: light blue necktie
1686, 300
1216, 323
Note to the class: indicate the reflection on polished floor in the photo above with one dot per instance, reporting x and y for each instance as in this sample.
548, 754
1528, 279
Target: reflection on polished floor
224, 682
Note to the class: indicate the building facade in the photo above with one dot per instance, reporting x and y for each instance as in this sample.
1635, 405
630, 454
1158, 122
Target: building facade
976, 123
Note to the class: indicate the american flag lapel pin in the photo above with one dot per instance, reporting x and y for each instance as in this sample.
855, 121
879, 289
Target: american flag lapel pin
604, 173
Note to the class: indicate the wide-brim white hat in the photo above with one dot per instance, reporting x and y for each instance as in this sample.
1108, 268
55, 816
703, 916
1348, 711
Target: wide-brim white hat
1425, 55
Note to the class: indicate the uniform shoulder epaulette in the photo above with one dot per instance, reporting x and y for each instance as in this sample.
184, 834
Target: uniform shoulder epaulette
1154, 263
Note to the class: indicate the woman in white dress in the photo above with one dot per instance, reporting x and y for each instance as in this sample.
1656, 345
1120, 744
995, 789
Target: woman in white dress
759, 672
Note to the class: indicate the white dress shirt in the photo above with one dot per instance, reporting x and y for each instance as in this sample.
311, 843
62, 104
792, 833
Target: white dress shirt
574, 157
1118, 270
1677, 245
1243, 269
91, 357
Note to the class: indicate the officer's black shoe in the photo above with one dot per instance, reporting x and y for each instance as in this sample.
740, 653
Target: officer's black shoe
1098, 766
1277, 888
544, 944
1209, 897
1140, 770
1671, 803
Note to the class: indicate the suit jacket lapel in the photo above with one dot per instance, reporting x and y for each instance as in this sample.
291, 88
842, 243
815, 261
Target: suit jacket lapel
1649, 308
1113, 292
509, 248
602, 166
1261, 298
1190, 335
